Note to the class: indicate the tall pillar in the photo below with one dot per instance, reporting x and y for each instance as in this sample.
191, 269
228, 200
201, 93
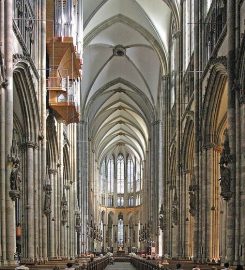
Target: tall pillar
2, 143
196, 248
242, 203
83, 179
43, 122
178, 184
207, 201
231, 118
52, 217
59, 194
8, 58
30, 201
165, 90
36, 205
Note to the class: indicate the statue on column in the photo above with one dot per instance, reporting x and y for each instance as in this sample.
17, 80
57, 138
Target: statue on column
225, 172
15, 175
175, 210
162, 218
77, 221
47, 198
47, 202
193, 196
64, 210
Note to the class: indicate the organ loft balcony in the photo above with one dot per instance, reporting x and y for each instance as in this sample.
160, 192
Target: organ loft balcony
64, 50
64, 57
62, 99
65, 64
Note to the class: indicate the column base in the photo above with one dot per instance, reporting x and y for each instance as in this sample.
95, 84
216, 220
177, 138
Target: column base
28, 261
55, 258
3, 263
12, 263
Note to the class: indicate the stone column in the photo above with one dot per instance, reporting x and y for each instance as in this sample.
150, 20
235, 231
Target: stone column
55, 213
83, 178
52, 217
157, 188
8, 60
178, 184
207, 200
160, 173
196, 249
43, 121
239, 259
39, 195
59, 195
165, 142
242, 185
231, 118
30, 201
2, 145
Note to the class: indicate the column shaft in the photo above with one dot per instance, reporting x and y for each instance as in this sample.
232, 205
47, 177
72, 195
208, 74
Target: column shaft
43, 120
30, 202
196, 250
231, 117
51, 224
8, 58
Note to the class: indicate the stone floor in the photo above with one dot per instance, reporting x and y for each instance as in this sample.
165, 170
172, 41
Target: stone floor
120, 265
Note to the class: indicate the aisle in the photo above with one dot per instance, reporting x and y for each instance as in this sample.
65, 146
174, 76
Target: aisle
120, 265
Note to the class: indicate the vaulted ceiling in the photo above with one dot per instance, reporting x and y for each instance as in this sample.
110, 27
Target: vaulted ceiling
125, 55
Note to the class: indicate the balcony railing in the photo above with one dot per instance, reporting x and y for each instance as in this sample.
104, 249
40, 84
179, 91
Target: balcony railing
62, 98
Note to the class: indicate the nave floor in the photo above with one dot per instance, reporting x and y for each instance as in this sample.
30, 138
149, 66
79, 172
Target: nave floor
120, 266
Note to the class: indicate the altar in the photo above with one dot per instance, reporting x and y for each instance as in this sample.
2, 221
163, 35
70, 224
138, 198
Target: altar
120, 250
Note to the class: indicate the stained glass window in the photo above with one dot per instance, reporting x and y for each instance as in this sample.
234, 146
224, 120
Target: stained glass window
120, 174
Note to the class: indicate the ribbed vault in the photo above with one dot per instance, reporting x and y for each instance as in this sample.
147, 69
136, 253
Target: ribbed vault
125, 56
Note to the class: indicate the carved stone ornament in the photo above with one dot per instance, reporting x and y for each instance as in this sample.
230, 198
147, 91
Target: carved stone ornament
15, 175
225, 172
47, 198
